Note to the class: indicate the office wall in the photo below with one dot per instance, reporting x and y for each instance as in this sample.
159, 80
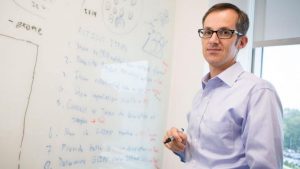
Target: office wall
187, 68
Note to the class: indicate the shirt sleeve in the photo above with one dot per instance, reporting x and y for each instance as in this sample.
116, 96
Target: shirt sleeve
184, 156
262, 133
181, 155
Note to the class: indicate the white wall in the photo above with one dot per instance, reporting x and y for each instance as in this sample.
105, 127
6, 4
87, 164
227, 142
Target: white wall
187, 67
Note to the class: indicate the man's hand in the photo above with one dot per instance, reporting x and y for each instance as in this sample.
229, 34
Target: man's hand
178, 143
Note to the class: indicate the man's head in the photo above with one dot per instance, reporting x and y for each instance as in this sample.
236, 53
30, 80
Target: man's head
242, 23
223, 34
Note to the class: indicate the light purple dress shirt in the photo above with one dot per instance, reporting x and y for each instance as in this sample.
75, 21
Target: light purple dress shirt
235, 123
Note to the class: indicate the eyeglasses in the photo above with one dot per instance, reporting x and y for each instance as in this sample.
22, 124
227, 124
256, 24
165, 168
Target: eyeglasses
221, 33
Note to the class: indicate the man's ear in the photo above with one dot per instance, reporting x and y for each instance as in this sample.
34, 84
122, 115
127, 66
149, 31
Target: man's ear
242, 42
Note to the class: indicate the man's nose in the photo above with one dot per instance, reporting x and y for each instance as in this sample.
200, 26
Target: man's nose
214, 38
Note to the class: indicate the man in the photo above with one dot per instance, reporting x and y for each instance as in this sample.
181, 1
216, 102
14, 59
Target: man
236, 117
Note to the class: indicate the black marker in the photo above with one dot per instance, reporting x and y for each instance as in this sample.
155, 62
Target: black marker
169, 139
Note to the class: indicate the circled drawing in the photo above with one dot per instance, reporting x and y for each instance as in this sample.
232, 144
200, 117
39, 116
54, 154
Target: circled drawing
121, 16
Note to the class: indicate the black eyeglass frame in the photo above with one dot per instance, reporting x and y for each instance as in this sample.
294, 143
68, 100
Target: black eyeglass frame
232, 32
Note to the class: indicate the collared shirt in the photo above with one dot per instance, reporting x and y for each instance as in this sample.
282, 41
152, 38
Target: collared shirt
235, 123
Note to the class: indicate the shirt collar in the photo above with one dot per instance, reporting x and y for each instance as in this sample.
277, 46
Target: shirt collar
228, 76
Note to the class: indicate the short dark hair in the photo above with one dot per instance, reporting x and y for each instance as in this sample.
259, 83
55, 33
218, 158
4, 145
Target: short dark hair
242, 23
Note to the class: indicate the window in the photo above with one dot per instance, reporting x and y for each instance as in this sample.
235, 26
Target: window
281, 66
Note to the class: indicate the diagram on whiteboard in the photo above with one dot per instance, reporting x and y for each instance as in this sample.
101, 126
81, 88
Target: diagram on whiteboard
17, 73
84, 83
156, 42
121, 16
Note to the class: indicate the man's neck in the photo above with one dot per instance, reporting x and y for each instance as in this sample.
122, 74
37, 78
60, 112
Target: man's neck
214, 71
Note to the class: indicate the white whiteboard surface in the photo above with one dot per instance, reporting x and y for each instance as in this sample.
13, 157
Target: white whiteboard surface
84, 83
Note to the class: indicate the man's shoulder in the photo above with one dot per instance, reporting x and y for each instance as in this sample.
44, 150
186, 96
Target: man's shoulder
255, 82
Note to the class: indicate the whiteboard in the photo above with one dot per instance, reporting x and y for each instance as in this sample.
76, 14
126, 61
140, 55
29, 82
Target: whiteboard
84, 83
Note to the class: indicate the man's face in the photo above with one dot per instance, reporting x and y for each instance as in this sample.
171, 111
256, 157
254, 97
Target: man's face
220, 53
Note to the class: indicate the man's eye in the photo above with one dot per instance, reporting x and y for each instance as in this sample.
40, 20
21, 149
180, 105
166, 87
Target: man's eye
207, 32
225, 32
